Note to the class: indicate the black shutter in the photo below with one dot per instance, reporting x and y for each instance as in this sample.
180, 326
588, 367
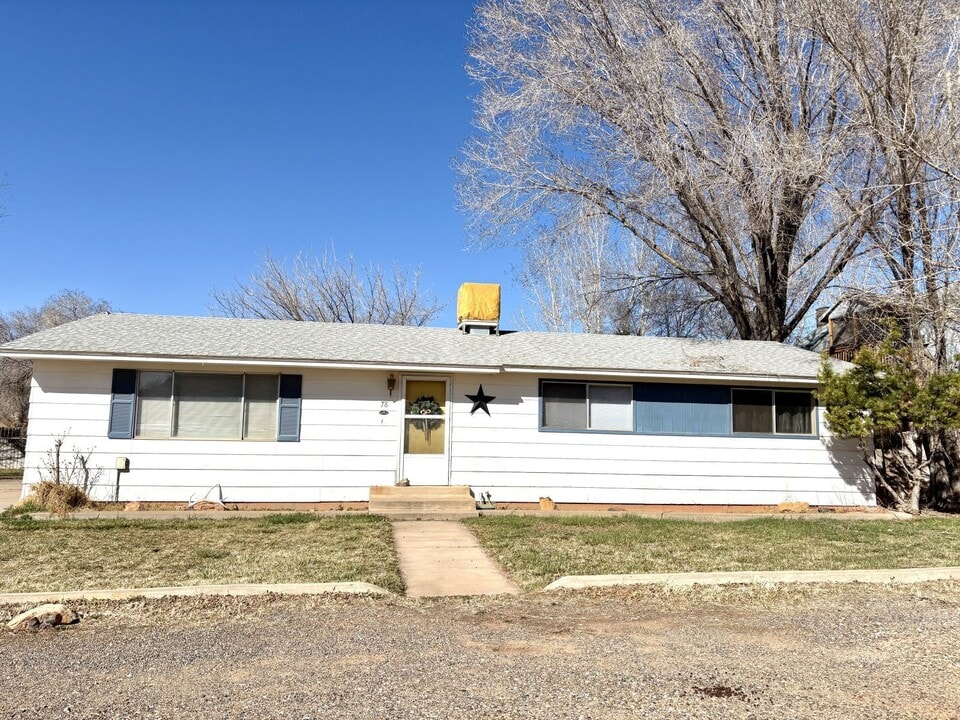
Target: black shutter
123, 404
288, 418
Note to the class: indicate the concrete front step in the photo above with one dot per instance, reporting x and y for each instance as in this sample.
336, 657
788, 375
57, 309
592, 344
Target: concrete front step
440, 515
444, 505
419, 491
435, 502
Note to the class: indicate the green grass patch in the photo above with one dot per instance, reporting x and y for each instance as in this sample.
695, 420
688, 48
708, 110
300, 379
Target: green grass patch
52, 555
23, 507
538, 550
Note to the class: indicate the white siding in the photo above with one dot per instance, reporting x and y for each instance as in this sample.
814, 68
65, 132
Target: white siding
346, 446
509, 457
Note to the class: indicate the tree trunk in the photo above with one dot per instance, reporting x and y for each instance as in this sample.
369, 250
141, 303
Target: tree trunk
944, 490
900, 469
914, 499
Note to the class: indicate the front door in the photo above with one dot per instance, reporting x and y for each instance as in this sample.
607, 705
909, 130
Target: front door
425, 430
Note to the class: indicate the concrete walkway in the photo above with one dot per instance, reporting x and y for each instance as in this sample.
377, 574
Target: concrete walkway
444, 558
9, 492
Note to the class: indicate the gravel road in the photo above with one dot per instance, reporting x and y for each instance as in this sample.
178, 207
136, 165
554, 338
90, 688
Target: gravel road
817, 652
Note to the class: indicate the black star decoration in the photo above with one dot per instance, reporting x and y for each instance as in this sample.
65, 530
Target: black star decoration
480, 401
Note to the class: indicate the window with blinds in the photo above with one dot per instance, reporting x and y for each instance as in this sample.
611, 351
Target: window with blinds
260, 407
209, 406
587, 406
154, 398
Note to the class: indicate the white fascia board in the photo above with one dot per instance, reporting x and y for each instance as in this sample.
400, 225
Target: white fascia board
256, 362
726, 378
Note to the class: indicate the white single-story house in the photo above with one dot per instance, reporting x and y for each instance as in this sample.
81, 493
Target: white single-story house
267, 411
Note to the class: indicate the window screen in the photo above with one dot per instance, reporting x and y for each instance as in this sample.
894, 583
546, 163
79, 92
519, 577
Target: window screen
784, 412
752, 411
611, 407
260, 407
565, 405
207, 405
794, 412
153, 404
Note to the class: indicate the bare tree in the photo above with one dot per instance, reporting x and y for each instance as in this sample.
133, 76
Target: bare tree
326, 290
66, 306
718, 135
587, 276
903, 62
566, 277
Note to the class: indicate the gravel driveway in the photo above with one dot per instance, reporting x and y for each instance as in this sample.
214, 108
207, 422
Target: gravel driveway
855, 652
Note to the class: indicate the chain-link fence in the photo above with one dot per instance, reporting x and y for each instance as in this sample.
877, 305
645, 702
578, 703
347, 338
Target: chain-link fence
13, 442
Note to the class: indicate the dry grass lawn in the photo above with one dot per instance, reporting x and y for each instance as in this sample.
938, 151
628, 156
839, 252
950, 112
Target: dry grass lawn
100, 554
537, 550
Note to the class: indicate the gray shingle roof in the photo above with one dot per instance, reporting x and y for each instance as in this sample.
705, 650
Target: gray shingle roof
156, 336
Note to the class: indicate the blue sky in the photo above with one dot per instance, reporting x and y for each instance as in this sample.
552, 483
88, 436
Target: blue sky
152, 151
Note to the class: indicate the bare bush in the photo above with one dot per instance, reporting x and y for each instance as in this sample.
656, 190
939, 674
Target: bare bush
66, 479
69, 467
55, 498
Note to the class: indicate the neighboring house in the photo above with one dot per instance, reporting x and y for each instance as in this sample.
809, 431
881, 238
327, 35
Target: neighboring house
846, 326
302, 412
862, 321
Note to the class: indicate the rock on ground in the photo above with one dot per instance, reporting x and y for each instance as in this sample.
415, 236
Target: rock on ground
47, 615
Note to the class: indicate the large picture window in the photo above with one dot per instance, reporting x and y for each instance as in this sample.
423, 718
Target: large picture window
209, 406
675, 409
212, 406
587, 406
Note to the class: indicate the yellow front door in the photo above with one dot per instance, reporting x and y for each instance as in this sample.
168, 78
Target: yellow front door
425, 430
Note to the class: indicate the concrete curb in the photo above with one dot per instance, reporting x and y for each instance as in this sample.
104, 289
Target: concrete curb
908, 575
351, 588
884, 515
185, 514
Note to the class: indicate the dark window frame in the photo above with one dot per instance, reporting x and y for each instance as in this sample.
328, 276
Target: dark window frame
723, 390
773, 432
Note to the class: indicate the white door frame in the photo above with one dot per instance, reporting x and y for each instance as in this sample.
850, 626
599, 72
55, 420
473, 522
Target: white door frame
440, 474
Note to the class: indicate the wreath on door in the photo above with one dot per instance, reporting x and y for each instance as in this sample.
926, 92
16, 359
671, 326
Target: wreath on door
426, 405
